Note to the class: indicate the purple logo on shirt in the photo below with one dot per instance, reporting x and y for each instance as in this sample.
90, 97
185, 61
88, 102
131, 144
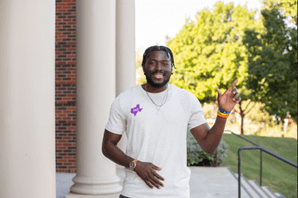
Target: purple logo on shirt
136, 109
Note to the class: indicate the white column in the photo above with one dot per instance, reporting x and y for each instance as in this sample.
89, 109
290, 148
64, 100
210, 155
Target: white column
125, 53
27, 99
96, 174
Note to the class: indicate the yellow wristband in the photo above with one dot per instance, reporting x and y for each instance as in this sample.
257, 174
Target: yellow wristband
221, 115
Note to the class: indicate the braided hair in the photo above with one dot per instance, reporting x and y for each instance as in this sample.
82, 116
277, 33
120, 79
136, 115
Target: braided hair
148, 51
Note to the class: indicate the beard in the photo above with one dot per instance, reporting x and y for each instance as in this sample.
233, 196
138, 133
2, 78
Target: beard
156, 85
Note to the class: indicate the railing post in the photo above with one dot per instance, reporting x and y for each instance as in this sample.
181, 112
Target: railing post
261, 169
239, 174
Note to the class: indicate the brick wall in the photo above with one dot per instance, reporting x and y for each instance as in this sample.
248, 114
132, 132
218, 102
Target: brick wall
65, 90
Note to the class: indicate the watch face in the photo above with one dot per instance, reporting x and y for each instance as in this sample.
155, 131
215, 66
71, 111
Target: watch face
131, 165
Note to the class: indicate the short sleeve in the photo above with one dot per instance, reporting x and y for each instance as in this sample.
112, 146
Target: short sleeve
117, 122
197, 115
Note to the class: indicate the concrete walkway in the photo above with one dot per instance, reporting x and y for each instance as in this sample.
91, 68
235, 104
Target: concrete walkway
205, 182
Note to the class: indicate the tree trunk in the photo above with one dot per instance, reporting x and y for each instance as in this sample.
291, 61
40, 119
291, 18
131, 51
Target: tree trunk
285, 125
242, 118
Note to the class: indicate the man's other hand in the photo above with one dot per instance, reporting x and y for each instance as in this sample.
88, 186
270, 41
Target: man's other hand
147, 172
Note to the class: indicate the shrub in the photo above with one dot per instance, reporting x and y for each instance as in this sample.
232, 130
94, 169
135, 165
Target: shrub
195, 153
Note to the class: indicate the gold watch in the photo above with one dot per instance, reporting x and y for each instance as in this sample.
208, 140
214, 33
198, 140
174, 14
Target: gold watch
133, 164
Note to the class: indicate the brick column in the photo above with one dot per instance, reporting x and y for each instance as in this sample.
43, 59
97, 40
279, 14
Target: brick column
27, 102
96, 174
125, 51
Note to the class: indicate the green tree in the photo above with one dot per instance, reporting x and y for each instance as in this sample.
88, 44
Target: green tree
209, 52
287, 7
273, 65
140, 77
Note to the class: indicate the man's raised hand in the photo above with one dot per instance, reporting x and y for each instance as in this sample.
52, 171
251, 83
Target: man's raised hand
229, 99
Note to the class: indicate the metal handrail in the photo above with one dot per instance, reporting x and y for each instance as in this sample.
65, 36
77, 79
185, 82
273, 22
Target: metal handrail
261, 149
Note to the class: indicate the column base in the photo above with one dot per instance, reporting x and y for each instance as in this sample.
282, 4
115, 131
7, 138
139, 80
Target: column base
74, 195
96, 186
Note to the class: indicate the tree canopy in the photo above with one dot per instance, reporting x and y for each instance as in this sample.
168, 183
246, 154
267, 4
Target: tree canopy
287, 7
272, 64
209, 52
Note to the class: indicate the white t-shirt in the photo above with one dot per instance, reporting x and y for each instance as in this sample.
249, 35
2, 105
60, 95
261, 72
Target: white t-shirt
158, 137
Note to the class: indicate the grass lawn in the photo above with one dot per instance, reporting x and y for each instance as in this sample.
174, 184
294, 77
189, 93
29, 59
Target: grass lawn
277, 175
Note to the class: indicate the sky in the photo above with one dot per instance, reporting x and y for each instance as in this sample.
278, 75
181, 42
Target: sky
154, 19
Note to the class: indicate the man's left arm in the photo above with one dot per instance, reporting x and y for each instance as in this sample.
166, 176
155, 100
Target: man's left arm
207, 138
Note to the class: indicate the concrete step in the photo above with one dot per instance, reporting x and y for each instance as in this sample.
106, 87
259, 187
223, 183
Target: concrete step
279, 195
211, 182
260, 189
268, 191
253, 193
256, 191
214, 182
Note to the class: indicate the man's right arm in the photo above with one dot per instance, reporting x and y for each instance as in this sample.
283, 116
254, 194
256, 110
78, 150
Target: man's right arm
111, 151
145, 170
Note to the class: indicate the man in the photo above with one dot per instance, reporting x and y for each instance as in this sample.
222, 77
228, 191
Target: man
155, 117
